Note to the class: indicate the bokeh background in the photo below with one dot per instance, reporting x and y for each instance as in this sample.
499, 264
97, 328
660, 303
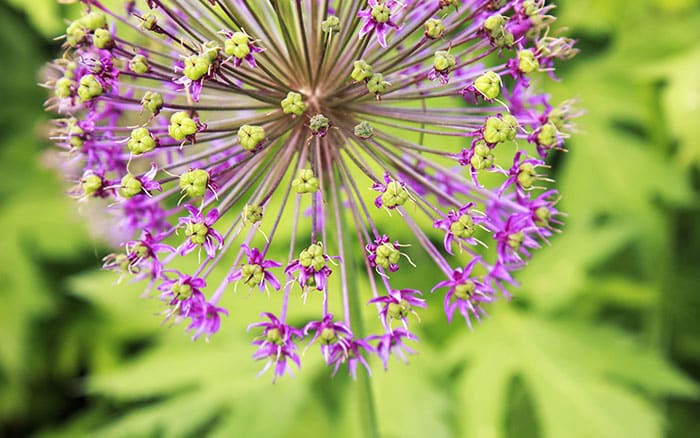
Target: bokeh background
602, 339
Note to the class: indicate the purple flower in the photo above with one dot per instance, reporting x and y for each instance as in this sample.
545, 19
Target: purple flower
178, 121
465, 294
200, 231
256, 273
276, 344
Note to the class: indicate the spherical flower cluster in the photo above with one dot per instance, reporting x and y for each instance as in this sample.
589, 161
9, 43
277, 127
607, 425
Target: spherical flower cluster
207, 127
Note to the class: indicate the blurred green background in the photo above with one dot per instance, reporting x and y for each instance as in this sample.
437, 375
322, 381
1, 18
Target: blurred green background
602, 340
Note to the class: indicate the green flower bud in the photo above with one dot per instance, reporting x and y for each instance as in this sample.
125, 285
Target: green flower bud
361, 71
91, 183
251, 136
139, 64
327, 336
197, 232
319, 123
494, 23
443, 61
434, 28
465, 290
483, 157
152, 102
292, 104
463, 227
181, 126
194, 182
238, 45
364, 130
211, 50
527, 63
62, 88
252, 275
75, 133
102, 39
488, 84
274, 336
75, 34
526, 175
547, 135
252, 213
196, 66
394, 195
330, 24
399, 310
93, 21
377, 84
141, 141
498, 130
387, 255
516, 239
313, 257
381, 13
150, 22
130, 186
89, 88
542, 216
305, 181
181, 291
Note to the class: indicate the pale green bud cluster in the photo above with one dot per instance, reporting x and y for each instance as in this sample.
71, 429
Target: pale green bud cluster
465, 290
141, 141
381, 13
305, 181
181, 291
139, 64
94, 21
152, 102
181, 126
197, 232
149, 22
319, 123
293, 104
252, 275
547, 135
395, 195
399, 310
91, 183
194, 182
252, 213
130, 186
89, 88
313, 257
251, 136
364, 130
527, 62
527, 175
63, 88
495, 27
238, 45
542, 216
463, 227
500, 129
489, 85
444, 61
376, 84
196, 66
102, 39
515, 240
434, 28
330, 24
361, 71
483, 157
74, 133
387, 255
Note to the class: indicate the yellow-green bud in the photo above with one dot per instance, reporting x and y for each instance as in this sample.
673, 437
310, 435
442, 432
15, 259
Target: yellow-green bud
141, 141
91, 183
181, 126
252, 275
93, 20
527, 63
377, 84
139, 64
364, 130
547, 135
293, 104
62, 88
361, 71
394, 195
152, 102
75, 34
194, 182
252, 213
516, 239
274, 336
387, 255
463, 227
319, 124
434, 28
443, 61
465, 290
526, 175
483, 157
498, 130
488, 84
102, 39
542, 216
330, 24
89, 88
197, 232
237, 45
313, 257
150, 22
181, 291
211, 50
381, 13
251, 136
196, 66
130, 186
399, 310
305, 181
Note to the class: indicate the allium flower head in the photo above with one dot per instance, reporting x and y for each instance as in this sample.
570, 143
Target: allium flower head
229, 132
